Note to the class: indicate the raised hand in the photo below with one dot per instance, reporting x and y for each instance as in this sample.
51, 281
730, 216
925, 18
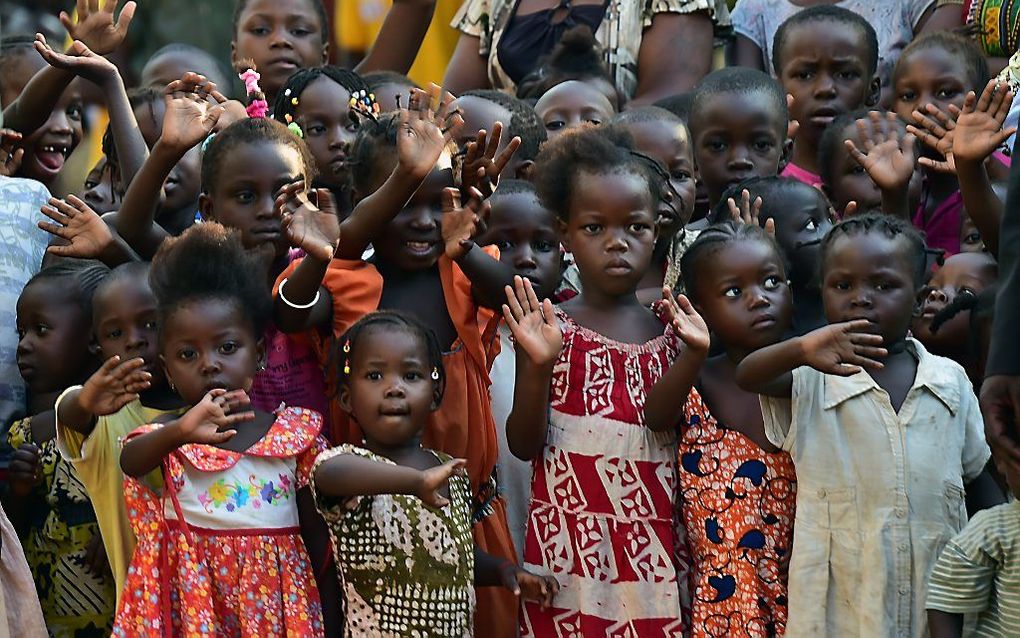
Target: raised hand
79, 60
680, 313
533, 324
116, 384
95, 26
747, 211
482, 165
936, 129
794, 125
843, 348
979, 131
424, 133
190, 115
529, 586
460, 224
25, 470
87, 234
436, 478
10, 156
888, 158
313, 229
209, 420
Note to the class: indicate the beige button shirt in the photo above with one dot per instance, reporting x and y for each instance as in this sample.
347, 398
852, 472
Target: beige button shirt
879, 493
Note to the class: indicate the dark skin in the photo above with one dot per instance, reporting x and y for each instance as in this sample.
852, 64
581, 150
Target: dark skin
284, 36
164, 69
675, 54
390, 393
482, 115
746, 302
738, 137
329, 130
525, 233
210, 354
823, 65
571, 104
931, 76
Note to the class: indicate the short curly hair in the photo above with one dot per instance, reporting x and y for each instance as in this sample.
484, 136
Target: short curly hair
588, 149
743, 82
960, 47
209, 262
252, 130
832, 14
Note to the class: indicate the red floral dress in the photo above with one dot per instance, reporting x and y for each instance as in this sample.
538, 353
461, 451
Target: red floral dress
601, 516
221, 553
737, 503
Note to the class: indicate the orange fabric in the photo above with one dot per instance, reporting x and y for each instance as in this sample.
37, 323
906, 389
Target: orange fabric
463, 427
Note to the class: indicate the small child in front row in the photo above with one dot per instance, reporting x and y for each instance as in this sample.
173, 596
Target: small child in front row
977, 575
884, 437
399, 513
736, 489
222, 543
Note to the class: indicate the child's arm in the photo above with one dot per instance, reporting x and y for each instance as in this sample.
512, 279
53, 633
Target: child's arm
841, 349
489, 276
131, 149
347, 475
97, 30
112, 387
84, 233
667, 397
539, 341
399, 38
201, 424
494, 572
971, 140
190, 117
945, 625
315, 534
888, 159
421, 138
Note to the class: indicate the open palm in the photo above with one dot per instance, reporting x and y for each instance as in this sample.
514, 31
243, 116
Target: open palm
461, 223
424, 133
979, 129
96, 27
532, 323
190, 116
888, 158
85, 232
313, 229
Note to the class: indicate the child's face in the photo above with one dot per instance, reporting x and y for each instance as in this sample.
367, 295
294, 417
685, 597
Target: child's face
745, 299
281, 36
929, 75
480, 115
611, 230
124, 323
209, 344
799, 232
851, 183
970, 238
740, 137
390, 391
525, 233
100, 193
870, 276
160, 71
669, 144
244, 196
571, 104
413, 240
971, 272
47, 148
823, 67
323, 114
53, 336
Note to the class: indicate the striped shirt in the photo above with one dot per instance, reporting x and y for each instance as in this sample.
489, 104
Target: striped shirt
979, 572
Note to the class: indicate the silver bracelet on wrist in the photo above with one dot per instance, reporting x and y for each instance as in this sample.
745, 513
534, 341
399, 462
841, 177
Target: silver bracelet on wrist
297, 306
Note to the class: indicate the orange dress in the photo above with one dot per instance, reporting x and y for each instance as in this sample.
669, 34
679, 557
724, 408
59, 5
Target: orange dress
737, 504
463, 427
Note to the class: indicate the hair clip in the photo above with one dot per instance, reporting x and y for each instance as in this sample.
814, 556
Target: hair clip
435, 374
364, 101
296, 130
347, 347
294, 101
257, 108
347, 367
205, 144
257, 105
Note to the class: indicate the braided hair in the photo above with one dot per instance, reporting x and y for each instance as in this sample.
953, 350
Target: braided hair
83, 276
713, 239
888, 226
288, 98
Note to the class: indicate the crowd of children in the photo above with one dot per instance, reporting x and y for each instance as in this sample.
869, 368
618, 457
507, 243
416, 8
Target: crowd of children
347, 356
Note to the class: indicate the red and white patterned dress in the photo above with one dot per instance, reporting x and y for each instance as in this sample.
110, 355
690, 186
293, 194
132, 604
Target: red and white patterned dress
601, 517
236, 564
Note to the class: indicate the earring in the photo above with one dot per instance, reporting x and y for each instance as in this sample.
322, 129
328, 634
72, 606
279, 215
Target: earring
173, 388
435, 374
